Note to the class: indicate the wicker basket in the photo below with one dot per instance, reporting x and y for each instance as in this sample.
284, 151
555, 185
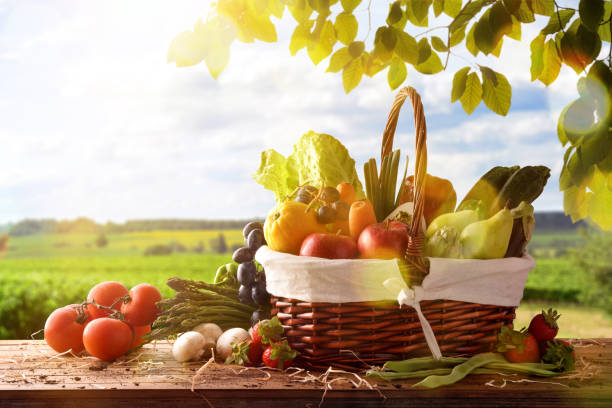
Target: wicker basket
359, 334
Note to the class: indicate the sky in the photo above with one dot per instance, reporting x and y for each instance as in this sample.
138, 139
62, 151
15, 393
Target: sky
95, 123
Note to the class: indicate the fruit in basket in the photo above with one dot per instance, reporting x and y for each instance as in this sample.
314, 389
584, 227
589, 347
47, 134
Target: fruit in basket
457, 220
330, 246
326, 214
487, 187
246, 273
361, 215
444, 243
347, 192
440, 196
259, 294
250, 227
385, 240
330, 194
64, 329
526, 184
287, 226
487, 239
342, 210
544, 326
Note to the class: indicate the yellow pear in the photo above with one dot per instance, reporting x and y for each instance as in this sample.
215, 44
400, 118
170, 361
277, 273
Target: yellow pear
458, 220
488, 239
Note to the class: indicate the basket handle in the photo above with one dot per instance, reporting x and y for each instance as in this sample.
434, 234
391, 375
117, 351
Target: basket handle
418, 265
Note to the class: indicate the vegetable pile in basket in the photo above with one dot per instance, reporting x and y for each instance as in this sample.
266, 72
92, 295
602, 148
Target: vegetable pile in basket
321, 210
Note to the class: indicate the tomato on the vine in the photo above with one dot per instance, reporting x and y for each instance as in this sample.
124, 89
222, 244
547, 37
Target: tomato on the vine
107, 338
64, 329
139, 332
105, 294
141, 309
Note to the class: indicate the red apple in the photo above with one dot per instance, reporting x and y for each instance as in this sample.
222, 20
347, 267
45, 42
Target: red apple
385, 240
330, 246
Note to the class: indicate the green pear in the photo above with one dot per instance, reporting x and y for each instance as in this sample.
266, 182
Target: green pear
444, 243
488, 239
458, 220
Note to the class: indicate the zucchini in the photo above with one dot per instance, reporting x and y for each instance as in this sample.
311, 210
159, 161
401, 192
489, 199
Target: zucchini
526, 184
487, 187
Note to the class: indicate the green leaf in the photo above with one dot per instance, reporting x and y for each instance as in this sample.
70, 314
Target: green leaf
515, 32
346, 27
599, 206
557, 22
470, 42
339, 60
452, 8
277, 8
497, 50
433, 65
395, 13
561, 129
319, 49
524, 13
372, 64
459, 83
349, 5
500, 22
604, 29
217, 58
438, 6
483, 35
438, 44
488, 73
457, 37
397, 73
596, 145
411, 16
591, 13
188, 49
424, 50
551, 63
301, 12
473, 93
497, 97
260, 26
420, 8
356, 48
351, 75
576, 203
542, 7
299, 39
512, 5
467, 13
406, 47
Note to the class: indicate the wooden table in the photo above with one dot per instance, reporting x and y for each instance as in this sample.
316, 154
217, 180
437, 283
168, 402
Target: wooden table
32, 375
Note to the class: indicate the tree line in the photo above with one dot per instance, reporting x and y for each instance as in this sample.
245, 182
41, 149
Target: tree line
85, 225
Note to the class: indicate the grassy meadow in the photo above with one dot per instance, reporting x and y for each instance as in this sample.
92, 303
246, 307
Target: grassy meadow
39, 273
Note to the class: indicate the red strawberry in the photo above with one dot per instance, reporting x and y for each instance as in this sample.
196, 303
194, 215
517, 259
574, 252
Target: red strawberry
246, 353
560, 353
518, 346
279, 355
267, 331
544, 325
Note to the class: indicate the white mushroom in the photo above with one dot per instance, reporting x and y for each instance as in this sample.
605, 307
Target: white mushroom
211, 333
189, 346
227, 339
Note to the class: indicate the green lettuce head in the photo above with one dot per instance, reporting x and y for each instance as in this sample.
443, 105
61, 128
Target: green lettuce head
316, 158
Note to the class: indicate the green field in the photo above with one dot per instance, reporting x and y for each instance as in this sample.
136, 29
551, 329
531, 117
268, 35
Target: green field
42, 272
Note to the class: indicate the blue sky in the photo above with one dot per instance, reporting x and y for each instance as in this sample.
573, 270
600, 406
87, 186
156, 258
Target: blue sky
95, 123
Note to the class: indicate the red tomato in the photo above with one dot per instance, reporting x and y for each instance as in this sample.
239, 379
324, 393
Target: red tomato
141, 310
529, 354
64, 329
139, 331
105, 294
107, 338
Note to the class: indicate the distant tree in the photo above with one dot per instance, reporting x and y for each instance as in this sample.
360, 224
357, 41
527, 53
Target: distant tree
3, 242
101, 241
595, 258
219, 244
198, 249
159, 249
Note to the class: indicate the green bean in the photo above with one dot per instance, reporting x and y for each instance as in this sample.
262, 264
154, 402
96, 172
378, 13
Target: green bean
422, 363
541, 370
460, 371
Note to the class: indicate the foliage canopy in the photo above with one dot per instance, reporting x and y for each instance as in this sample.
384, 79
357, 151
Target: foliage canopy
329, 28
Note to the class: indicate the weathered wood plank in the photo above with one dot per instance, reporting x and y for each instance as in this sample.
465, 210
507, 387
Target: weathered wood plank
32, 375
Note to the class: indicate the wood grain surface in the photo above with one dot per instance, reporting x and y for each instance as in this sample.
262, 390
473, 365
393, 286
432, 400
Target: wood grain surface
32, 375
